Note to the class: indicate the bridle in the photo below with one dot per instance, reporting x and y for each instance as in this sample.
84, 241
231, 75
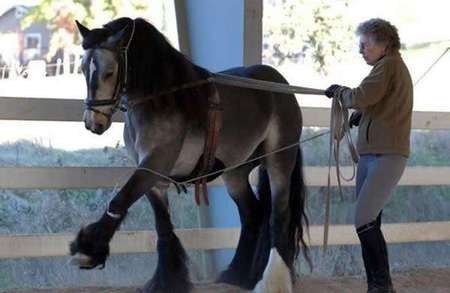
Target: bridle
120, 87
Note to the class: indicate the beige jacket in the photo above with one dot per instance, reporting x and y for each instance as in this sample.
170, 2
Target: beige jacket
385, 98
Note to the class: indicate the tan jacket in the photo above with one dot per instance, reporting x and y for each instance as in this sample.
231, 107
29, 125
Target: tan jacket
385, 98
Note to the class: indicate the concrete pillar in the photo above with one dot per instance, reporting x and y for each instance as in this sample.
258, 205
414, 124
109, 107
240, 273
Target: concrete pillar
218, 35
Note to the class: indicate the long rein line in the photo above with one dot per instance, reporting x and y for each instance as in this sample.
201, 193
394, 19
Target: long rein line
183, 184
244, 82
236, 81
337, 115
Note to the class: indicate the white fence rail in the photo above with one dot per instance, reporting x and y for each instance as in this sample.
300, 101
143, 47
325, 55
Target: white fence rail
105, 177
40, 68
12, 246
12, 108
44, 245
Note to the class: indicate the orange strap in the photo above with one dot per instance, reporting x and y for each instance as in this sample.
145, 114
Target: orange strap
209, 151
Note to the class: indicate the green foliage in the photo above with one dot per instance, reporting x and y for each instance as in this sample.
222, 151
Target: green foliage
50, 12
86, 11
310, 30
60, 15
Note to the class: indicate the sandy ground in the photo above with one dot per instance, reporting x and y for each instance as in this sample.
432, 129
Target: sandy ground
415, 281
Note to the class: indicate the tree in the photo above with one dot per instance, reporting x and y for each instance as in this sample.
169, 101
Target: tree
60, 16
306, 29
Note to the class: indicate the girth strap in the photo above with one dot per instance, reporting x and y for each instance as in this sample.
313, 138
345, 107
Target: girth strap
211, 142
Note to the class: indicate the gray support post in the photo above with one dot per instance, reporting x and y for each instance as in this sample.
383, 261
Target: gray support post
182, 27
218, 35
253, 34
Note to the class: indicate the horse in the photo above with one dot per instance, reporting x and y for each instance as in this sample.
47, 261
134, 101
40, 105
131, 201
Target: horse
129, 64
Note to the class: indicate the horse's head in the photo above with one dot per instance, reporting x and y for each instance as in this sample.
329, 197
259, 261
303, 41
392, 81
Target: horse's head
104, 66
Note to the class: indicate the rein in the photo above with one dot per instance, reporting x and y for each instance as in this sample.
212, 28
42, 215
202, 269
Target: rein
229, 80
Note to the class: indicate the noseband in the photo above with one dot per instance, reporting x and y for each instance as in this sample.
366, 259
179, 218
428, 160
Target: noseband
120, 86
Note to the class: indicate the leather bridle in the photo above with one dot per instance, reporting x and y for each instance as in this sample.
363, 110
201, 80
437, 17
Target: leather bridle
120, 87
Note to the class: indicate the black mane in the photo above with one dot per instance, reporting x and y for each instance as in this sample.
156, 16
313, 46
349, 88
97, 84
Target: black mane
155, 66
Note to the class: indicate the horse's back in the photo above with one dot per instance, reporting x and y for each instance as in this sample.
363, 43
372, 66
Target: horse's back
283, 105
279, 101
255, 117
259, 71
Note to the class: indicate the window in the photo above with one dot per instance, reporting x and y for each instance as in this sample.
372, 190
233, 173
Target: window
32, 41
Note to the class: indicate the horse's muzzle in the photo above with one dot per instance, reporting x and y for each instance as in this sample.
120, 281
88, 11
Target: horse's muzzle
96, 128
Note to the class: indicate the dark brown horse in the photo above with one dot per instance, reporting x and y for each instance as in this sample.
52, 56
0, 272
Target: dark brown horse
128, 63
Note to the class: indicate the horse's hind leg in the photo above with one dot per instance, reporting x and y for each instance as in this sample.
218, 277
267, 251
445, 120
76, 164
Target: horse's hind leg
171, 274
278, 271
251, 213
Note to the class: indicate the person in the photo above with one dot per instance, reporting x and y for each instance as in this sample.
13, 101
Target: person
383, 102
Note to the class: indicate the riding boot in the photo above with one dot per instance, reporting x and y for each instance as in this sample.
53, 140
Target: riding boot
369, 273
366, 255
375, 258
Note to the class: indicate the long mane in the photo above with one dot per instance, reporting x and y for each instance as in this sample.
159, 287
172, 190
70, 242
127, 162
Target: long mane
151, 56
155, 65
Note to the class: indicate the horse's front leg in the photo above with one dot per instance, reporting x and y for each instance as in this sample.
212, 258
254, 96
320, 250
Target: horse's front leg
91, 246
171, 274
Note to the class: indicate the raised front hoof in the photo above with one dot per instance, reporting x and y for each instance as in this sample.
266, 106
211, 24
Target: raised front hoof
174, 286
235, 278
84, 262
88, 252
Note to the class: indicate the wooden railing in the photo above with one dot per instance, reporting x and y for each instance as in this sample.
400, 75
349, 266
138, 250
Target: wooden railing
13, 246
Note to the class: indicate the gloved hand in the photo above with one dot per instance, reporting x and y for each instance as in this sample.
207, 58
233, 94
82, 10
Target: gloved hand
354, 119
329, 92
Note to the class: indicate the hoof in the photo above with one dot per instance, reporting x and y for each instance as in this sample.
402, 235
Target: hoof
276, 277
177, 286
87, 251
85, 262
235, 278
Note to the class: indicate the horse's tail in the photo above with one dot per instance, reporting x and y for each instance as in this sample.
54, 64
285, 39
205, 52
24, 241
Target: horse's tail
299, 219
297, 203
262, 252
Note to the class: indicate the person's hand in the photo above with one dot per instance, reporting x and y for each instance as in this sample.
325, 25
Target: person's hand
354, 119
329, 92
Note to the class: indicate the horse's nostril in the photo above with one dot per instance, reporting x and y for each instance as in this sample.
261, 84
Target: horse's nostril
98, 128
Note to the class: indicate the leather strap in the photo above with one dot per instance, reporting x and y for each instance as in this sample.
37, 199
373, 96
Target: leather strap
211, 142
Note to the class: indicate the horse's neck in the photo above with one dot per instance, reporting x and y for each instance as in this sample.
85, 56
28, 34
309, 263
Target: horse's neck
173, 76
189, 72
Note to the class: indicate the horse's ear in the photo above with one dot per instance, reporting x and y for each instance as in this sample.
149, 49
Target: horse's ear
84, 31
119, 39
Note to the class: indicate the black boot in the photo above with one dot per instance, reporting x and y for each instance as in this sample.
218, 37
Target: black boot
375, 258
366, 255
369, 273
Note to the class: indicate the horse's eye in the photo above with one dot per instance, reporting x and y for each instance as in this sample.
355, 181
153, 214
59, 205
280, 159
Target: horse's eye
108, 75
